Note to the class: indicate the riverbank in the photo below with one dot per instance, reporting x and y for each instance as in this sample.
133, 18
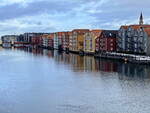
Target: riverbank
138, 59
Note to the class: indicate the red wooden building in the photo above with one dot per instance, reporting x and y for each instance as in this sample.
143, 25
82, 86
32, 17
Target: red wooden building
106, 42
35, 40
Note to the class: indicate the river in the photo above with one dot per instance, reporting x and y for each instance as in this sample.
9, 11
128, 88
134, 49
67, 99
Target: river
44, 81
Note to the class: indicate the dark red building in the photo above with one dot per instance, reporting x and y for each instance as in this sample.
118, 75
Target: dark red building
106, 42
35, 40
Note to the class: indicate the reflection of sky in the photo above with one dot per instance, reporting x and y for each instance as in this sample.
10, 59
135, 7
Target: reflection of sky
52, 84
17, 16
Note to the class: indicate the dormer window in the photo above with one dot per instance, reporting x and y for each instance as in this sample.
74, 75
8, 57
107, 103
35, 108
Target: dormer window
129, 29
110, 34
141, 28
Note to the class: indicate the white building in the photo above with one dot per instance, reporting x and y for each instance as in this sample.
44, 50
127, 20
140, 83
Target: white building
9, 40
134, 38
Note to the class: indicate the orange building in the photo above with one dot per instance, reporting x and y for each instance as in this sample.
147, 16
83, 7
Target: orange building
48, 40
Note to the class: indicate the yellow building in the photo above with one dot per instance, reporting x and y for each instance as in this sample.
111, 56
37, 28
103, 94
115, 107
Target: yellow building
77, 40
89, 41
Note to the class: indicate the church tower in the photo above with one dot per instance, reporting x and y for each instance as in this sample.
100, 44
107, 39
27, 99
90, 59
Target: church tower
141, 21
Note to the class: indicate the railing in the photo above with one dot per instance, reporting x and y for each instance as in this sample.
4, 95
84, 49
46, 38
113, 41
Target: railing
125, 57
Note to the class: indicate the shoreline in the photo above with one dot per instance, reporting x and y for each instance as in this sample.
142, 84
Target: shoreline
131, 58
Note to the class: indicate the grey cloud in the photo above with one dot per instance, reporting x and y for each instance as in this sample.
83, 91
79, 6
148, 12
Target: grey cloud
120, 10
73, 13
34, 8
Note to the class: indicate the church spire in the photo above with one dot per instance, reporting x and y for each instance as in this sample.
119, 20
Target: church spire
141, 22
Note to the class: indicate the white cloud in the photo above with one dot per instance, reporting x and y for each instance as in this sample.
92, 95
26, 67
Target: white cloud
8, 2
49, 15
46, 23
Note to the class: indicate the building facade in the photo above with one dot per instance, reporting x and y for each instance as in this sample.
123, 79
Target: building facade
134, 38
45, 40
121, 39
66, 40
58, 40
90, 41
51, 41
72, 41
28, 36
77, 40
9, 40
35, 40
106, 42
48, 40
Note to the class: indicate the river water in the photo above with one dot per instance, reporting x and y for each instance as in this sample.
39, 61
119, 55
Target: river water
42, 81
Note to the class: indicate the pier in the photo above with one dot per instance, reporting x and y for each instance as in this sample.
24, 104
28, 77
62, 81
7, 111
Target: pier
141, 59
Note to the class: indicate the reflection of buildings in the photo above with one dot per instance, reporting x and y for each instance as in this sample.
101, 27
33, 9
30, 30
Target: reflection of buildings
133, 71
77, 62
66, 58
50, 54
106, 65
58, 57
87, 63
32, 50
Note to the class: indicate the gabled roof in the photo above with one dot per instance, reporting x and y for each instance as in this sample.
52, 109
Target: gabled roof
69, 33
124, 27
139, 26
135, 26
51, 35
44, 35
60, 33
96, 32
81, 30
109, 33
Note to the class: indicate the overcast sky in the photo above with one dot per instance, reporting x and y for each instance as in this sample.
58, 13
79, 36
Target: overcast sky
18, 16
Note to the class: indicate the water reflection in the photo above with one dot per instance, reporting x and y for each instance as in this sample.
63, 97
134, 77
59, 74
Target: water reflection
128, 71
90, 64
44, 81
